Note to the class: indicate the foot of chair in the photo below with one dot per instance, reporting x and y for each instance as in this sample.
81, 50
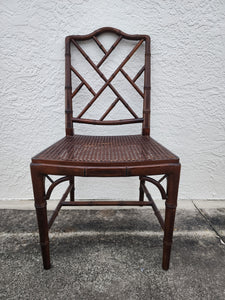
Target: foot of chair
45, 256
38, 181
171, 204
43, 233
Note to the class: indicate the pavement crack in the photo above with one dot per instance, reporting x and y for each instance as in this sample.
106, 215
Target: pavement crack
218, 235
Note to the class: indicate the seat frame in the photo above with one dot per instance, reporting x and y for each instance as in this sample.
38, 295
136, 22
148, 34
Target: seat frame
169, 171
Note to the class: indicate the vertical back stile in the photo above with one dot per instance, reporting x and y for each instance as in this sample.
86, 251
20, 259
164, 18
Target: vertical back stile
68, 89
147, 89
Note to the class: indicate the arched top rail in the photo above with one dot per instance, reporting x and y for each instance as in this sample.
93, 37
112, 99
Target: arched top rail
108, 30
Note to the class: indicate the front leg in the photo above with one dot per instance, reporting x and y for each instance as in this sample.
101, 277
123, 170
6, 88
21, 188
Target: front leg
38, 181
171, 204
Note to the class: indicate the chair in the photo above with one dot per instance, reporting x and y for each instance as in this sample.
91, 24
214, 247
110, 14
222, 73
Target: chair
106, 156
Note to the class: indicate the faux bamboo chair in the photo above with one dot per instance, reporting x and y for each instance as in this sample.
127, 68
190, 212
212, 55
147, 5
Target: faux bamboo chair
106, 156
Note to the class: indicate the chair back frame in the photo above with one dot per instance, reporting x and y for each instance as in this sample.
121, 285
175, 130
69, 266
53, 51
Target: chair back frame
69, 94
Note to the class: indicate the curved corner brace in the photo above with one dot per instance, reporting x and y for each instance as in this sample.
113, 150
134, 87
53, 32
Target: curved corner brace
54, 184
157, 184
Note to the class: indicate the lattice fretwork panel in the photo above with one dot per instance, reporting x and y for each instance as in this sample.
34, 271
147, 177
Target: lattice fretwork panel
108, 78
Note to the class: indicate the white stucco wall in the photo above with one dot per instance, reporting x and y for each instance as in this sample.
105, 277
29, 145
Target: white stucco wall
188, 86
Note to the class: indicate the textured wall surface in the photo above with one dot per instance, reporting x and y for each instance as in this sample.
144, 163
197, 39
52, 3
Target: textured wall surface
188, 86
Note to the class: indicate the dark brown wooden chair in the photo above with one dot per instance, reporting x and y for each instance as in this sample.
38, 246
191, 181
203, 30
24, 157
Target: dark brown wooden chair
106, 156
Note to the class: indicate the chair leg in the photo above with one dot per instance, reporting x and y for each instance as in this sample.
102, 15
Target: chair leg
38, 181
171, 203
72, 181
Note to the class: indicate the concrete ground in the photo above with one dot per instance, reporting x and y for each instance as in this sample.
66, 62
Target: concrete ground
113, 253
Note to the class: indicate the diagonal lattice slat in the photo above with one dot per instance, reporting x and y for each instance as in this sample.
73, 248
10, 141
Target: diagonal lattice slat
117, 99
77, 89
138, 74
132, 82
110, 51
107, 53
83, 80
109, 109
99, 44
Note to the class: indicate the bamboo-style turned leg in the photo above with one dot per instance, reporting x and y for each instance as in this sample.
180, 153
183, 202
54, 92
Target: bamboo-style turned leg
171, 203
40, 205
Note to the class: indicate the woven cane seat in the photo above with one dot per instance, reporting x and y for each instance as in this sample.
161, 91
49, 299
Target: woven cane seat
106, 150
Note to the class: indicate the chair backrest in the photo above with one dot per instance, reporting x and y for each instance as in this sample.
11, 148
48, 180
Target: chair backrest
79, 43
